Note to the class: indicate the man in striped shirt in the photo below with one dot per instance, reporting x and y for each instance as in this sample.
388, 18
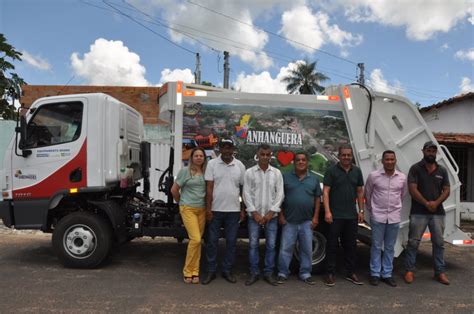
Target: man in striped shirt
384, 191
263, 195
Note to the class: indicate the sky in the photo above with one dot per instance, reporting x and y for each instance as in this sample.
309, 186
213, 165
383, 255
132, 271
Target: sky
420, 49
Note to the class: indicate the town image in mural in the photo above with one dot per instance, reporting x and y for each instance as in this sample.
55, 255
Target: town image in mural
286, 129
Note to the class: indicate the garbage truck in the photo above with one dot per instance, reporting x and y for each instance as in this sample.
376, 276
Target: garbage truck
79, 167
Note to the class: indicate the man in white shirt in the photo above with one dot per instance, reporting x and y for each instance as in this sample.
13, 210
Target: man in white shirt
263, 195
224, 176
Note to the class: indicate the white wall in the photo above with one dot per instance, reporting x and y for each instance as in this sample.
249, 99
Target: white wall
455, 118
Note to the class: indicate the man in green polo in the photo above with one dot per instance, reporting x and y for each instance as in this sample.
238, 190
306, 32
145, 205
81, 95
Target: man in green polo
343, 185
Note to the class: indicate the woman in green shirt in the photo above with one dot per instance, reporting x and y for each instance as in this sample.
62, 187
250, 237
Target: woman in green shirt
189, 190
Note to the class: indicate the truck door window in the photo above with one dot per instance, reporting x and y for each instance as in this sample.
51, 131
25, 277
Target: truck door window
54, 124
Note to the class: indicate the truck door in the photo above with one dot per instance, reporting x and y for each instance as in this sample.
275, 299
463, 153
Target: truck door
56, 137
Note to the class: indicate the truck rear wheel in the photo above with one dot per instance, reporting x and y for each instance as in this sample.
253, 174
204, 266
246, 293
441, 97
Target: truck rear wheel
319, 251
82, 240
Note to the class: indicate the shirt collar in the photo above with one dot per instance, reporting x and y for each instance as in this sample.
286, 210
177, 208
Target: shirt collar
229, 164
257, 168
381, 171
340, 167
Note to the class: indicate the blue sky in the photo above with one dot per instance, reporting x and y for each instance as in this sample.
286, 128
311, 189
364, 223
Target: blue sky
422, 49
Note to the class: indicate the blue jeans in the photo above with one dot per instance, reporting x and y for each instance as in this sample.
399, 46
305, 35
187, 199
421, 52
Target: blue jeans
418, 224
271, 229
290, 234
384, 236
230, 222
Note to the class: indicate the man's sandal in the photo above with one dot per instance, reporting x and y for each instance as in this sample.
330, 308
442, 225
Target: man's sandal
195, 280
188, 279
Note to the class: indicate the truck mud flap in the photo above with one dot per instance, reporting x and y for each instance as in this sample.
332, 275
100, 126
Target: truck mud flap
116, 215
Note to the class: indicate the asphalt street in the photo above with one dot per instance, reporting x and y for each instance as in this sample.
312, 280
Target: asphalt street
145, 276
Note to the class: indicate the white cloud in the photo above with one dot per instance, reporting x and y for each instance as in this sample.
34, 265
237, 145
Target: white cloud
109, 63
35, 61
184, 75
466, 85
467, 54
263, 82
205, 28
423, 19
444, 47
380, 84
313, 30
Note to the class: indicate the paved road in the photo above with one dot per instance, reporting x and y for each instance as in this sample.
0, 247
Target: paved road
144, 276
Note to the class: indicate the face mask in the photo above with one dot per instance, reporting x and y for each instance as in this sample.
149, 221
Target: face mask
429, 159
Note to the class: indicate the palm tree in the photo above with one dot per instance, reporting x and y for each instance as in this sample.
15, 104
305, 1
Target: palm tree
305, 79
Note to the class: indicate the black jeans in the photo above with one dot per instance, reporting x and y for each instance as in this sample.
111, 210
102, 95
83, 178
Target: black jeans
346, 229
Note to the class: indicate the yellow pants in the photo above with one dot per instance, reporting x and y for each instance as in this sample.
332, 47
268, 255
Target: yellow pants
194, 220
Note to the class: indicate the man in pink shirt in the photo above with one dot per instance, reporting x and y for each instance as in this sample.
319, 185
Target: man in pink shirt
384, 191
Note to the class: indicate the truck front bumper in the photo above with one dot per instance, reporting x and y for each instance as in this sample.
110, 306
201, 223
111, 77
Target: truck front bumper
6, 213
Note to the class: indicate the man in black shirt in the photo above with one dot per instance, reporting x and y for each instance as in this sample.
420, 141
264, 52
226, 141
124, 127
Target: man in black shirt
429, 187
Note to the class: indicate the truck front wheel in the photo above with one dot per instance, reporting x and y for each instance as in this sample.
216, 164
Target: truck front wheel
82, 240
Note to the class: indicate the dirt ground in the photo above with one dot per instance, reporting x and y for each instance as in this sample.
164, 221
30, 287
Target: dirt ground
145, 276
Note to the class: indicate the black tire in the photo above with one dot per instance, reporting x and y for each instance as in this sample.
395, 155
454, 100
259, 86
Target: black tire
319, 251
82, 240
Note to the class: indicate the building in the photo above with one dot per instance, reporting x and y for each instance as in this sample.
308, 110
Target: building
452, 122
143, 99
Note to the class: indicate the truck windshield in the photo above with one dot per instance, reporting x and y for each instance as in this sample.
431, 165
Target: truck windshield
54, 124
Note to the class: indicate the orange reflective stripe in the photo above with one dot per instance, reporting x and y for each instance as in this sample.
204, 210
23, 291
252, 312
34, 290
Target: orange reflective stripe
334, 97
346, 92
179, 87
189, 93
426, 235
467, 242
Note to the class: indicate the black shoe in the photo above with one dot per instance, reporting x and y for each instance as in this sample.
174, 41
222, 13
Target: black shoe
229, 277
253, 279
354, 279
309, 281
269, 278
374, 280
281, 280
330, 280
210, 277
390, 281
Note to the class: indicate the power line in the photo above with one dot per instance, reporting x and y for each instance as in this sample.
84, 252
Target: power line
270, 32
151, 30
418, 92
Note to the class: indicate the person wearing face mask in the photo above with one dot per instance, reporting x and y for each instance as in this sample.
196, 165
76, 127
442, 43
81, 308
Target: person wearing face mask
428, 184
189, 190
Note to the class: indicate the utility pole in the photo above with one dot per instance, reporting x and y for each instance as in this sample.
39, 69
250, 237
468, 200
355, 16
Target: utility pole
226, 69
361, 79
197, 74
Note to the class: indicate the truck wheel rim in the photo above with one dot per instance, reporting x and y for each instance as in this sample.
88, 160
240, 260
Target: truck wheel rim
79, 241
319, 249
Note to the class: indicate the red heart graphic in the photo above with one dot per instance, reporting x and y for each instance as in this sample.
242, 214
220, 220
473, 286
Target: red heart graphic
285, 158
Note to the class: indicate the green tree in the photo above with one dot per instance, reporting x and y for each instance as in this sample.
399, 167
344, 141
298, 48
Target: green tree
305, 79
206, 83
10, 82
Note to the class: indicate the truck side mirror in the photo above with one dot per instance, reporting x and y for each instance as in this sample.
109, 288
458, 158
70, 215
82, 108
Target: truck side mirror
21, 128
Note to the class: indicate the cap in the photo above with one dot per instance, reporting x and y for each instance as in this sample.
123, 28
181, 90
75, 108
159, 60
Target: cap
226, 141
430, 144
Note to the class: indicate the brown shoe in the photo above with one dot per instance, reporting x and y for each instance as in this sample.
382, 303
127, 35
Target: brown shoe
409, 277
330, 280
442, 278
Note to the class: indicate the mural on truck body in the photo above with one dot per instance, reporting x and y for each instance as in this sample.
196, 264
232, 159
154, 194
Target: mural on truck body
287, 130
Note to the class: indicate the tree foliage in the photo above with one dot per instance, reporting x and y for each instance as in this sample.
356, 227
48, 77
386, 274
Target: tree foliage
10, 82
305, 79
